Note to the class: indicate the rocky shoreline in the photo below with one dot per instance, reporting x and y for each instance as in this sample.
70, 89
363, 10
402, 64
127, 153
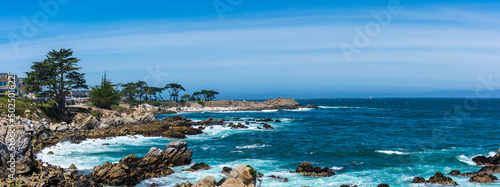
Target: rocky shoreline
34, 133
225, 105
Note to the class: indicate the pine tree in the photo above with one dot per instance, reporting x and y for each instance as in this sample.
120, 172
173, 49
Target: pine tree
104, 95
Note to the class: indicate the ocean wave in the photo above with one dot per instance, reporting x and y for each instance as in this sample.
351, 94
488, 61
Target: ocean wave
275, 110
348, 107
252, 146
337, 168
468, 159
299, 109
389, 152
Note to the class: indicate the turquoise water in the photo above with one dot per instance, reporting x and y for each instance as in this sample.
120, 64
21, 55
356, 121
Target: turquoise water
366, 142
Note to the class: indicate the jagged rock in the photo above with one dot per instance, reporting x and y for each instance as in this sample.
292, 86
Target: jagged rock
418, 180
439, 178
221, 181
16, 150
483, 160
240, 176
50, 153
84, 121
490, 169
72, 166
226, 170
267, 126
184, 184
307, 170
131, 170
198, 166
277, 121
483, 178
383, 185
208, 181
348, 185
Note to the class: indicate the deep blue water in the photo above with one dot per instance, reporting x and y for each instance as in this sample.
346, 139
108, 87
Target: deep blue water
365, 141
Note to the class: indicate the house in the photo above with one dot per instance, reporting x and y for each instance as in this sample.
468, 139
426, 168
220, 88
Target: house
79, 95
20, 90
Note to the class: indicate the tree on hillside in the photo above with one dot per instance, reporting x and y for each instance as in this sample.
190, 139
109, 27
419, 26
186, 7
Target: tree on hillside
174, 89
104, 95
141, 87
57, 73
185, 97
209, 95
196, 96
129, 91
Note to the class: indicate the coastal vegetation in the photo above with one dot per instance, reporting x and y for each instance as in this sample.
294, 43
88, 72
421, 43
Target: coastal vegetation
104, 95
57, 73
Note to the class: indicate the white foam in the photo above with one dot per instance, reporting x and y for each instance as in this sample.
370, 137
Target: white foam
337, 168
299, 109
389, 152
252, 146
468, 159
275, 110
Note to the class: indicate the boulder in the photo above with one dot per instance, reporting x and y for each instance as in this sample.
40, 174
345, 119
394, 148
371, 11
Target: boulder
279, 178
240, 176
348, 185
383, 185
15, 146
439, 178
198, 166
418, 180
306, 169
184, 184
72, 166
208, 181
210, 121
483, 178
131, 170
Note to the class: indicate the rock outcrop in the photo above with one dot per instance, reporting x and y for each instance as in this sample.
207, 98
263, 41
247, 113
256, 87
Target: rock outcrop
483, 160
131, 169
439, 178
16, 151
306, 169
483, 178
241, 176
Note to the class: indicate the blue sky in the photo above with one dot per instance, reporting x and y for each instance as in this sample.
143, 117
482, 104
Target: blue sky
258, 49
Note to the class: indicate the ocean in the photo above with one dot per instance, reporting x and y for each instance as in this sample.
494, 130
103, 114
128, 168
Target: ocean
365, 141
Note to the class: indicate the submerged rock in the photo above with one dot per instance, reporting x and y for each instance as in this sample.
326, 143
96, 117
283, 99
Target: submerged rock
311, 106
306, 169
267, 126
383, 185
